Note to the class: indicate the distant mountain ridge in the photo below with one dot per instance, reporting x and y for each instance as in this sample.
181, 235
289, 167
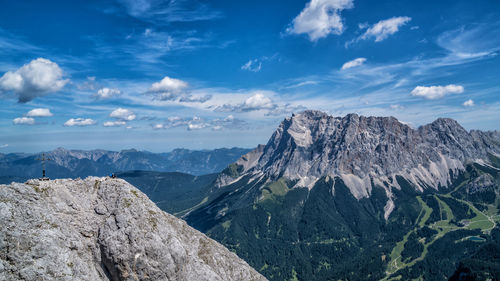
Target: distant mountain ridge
82, 163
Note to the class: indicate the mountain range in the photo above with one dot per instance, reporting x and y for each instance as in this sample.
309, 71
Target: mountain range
357, 198
79, 163
342, 198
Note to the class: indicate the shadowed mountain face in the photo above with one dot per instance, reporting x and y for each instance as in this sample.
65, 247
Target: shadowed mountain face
77, 163
359, 198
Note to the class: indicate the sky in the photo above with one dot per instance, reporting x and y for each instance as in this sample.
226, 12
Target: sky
157, 75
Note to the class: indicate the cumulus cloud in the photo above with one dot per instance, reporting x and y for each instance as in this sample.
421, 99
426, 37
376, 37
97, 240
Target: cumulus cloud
122, 114
171, 89
382, 29
24, 121
106, 93
353, 63
256, 102
436, 92
320, 18
114, 123
39, 112
468, 103
169, 86
35, 79
80, 122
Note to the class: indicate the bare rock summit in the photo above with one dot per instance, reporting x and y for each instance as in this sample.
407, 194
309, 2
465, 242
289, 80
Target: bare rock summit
103, 229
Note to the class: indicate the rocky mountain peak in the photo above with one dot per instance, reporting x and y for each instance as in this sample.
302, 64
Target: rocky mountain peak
366, 151
103, 229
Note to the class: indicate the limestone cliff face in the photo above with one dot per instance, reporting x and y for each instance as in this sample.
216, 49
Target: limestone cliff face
103, 229
367, 151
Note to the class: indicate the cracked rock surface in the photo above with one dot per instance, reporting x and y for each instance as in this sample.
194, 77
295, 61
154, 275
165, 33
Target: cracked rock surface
103, 229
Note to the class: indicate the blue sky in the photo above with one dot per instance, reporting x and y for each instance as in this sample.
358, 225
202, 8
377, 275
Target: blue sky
157, 75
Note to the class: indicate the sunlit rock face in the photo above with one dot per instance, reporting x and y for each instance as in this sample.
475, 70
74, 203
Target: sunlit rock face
367, 151
103, 229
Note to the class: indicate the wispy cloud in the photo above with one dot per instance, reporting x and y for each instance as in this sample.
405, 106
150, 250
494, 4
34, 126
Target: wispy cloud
145, 51
353, 63
460, 47
12, 44
255, 65
384, 28
252, 65
163, 12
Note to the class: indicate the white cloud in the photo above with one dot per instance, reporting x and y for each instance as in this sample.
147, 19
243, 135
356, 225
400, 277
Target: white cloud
168, 84
168, 88
382, 29
353, 63
122, 114
252, 65
114, 123
39, 112
24, 121
320, 18
106, 93
35, 79
158, 126
468, 103
4, 145
81, 122
257, 101
197, 123
436, 92
196, 126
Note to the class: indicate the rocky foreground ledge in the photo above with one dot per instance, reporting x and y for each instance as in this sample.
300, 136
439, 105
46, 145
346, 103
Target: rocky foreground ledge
103, 229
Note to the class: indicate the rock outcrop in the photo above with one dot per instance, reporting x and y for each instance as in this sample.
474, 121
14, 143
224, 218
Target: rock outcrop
103, 229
